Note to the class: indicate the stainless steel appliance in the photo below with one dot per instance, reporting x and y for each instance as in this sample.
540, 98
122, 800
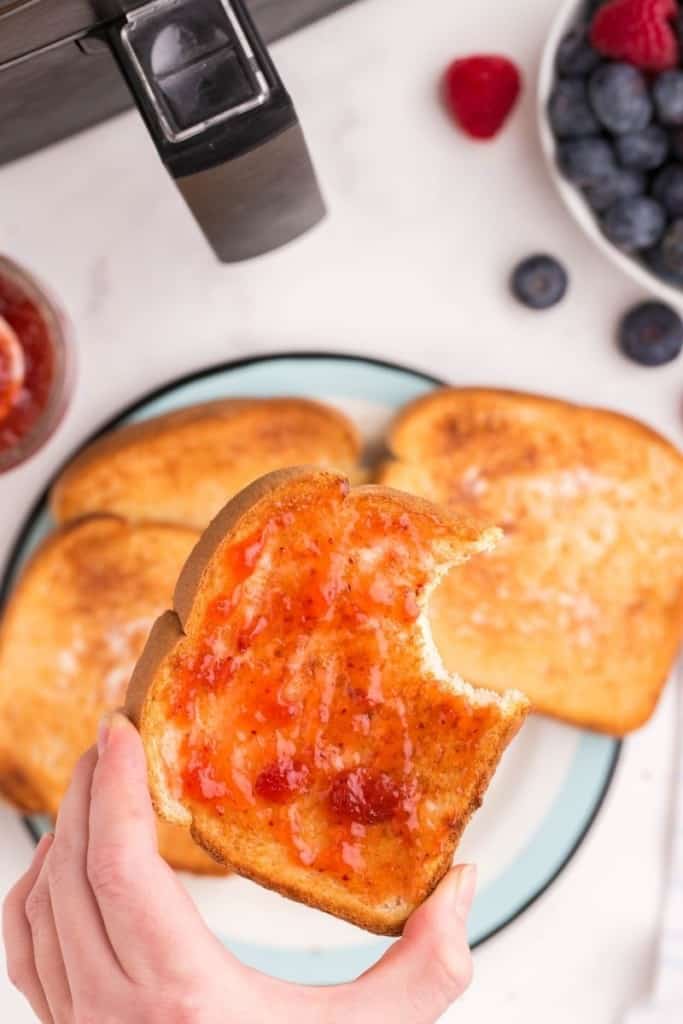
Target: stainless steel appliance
200, 73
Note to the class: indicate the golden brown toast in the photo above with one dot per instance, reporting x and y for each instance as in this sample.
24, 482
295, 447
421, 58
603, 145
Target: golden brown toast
182, 467
179, 849
69, 639
293, 709
581, 605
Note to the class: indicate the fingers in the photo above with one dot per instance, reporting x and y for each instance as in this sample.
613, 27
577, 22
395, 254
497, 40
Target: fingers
429, 967
149, 919
47, 951
90, 963
16, 932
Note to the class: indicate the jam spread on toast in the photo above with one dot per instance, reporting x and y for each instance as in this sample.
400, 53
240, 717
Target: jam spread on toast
289, 690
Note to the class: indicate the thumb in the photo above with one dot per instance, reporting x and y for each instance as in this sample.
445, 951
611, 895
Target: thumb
151, 922
431, 965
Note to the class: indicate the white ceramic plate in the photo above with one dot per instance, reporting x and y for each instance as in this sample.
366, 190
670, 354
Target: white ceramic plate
542, 801
566, 17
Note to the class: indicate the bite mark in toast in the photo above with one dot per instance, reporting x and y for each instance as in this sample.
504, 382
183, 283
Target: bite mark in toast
292, 706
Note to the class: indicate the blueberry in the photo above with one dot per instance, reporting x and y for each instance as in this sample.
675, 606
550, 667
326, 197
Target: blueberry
633, 224
651, 333
586, 161
539, 281
622, 184
666, 259
667, 188
643, 151
575, 55
569, 110
667, 93
620, 98
676, 143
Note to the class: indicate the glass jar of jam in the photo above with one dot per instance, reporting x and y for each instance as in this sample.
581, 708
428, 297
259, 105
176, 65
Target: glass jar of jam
36, 364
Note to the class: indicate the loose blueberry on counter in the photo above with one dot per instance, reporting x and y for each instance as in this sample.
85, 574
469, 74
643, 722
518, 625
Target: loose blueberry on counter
569, 110
651, 333
643, 151
666, 259
575, 55
667, 93
586, 161
667, 188
633, 224
620, 98
622, 184
539, 282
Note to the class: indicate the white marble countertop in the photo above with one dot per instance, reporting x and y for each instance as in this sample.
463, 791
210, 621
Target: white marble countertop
410, 265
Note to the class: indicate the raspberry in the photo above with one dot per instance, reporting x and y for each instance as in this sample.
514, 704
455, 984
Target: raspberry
637, 31
481, 92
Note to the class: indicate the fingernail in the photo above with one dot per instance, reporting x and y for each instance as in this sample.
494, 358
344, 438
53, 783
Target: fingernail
109, 722
464, 889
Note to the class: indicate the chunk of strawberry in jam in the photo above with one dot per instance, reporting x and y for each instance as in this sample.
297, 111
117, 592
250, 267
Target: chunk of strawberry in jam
282, 780
367, 799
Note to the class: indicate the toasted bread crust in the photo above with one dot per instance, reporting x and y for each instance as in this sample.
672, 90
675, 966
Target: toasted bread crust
165, 634
143, 710
499, 402
134, 470
493, 451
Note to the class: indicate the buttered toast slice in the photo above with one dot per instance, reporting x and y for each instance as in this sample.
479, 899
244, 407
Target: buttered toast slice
293, 709
182, 467
581, 604
69, 638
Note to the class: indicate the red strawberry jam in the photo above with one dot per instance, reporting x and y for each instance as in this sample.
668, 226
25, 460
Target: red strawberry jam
367, 799
34, 366
282, 780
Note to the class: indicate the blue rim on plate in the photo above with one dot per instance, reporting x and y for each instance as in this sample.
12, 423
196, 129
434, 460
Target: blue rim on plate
567, 822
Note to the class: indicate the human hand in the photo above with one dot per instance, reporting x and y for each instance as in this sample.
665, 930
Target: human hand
100, 930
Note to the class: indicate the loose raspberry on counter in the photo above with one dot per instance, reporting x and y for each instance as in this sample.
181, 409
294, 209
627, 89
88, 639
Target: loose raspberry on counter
481, 92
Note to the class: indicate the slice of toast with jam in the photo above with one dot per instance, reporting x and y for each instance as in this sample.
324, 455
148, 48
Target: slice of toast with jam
293, 709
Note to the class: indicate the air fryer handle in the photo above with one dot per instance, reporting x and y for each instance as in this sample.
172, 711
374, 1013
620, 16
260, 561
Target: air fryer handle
222, 121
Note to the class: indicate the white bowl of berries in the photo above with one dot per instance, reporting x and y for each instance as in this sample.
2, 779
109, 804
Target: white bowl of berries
610, 112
